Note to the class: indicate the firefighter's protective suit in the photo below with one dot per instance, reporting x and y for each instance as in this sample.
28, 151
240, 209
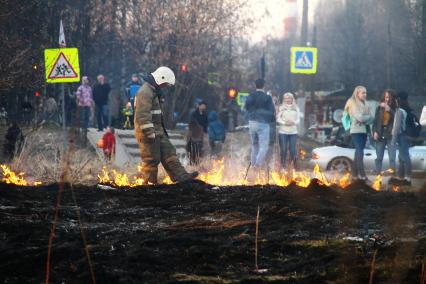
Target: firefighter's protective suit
151, 134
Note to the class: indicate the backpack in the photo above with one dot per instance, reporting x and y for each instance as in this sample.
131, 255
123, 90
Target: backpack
412, 125
346, 121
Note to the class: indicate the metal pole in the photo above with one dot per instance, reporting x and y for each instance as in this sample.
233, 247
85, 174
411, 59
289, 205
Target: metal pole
64, 128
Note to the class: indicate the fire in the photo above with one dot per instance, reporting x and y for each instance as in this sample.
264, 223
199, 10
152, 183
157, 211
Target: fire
377, 182
222, 173
10, 177
302, 154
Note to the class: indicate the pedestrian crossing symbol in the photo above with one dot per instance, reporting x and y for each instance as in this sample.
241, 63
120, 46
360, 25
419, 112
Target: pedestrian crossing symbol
303, 60
62, 65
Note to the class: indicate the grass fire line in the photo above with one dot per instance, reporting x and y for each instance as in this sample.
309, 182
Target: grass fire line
221, 173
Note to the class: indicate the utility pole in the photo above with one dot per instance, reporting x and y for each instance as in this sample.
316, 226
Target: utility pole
304, 34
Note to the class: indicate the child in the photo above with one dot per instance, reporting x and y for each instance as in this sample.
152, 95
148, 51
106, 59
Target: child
217, 134
109, 143
128, 114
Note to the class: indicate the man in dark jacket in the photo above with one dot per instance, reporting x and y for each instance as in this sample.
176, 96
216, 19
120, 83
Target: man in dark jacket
100, 95
261, 113
13, 141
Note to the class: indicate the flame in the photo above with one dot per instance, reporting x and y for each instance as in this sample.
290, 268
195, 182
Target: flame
302, 154
224, 173
377, 183
10, 177
395, 188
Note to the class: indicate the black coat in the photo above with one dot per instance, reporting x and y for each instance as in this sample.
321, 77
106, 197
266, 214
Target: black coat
260, 107
100, 94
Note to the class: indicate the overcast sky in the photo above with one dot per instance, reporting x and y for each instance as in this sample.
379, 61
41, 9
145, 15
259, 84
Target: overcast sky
269, 16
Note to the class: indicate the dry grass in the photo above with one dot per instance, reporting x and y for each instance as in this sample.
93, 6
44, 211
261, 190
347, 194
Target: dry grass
43, 158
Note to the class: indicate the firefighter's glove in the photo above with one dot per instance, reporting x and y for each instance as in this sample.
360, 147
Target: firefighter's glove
151, 137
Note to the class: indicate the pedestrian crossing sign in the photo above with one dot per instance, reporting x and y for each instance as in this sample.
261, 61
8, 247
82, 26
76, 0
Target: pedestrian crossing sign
303, 60
61, 65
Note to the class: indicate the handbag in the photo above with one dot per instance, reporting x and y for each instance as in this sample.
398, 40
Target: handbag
346, 121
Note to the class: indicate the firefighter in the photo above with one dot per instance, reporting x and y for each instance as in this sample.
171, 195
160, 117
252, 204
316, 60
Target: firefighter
150, 132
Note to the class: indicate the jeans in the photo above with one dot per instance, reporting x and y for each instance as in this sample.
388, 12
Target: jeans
359, 140
404, 169
102, 116
380, 151
288, 143
259, 134
84, 113
195, 152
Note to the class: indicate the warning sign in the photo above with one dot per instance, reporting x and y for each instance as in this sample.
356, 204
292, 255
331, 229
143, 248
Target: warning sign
62, 65
303, 60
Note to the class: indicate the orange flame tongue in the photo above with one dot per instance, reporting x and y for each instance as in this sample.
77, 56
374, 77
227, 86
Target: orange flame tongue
10, 177
224, 174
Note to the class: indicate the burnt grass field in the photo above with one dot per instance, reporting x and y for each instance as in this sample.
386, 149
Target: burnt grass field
197, 233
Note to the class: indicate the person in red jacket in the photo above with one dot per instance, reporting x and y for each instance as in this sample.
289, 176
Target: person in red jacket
109, 143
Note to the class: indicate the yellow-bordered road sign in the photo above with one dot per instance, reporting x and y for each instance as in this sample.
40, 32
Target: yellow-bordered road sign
241, 98
303, 60
61, 65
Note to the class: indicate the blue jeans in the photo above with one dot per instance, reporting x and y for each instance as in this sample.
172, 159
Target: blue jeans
288, 143
102, 116
259, 134
404, 169
380, 151
84, 113
359, 140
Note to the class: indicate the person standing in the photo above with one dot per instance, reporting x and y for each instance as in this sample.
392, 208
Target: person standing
260, 110
423, 116
132, 89
360, 117
13, 141
217, 134
27, 109
100, 95
288, 118
197, 127
382, 130
400, 138
150, 132
85, 103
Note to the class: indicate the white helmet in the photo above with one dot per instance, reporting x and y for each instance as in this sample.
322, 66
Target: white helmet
163, 75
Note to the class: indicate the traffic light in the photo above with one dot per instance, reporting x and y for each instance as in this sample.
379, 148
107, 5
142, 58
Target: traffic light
232, 93
184, 68
37, 94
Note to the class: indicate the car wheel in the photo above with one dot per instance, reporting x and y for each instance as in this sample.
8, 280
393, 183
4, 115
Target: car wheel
340, 164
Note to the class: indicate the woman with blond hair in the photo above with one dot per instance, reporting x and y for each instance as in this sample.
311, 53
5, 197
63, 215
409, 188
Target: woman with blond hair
360, 117
288, 118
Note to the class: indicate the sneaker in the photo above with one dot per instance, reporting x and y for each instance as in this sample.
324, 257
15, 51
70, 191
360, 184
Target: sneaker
394, 180
363, 178
405, 182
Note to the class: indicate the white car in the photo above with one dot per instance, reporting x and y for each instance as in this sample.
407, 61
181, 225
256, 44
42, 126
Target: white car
337, 158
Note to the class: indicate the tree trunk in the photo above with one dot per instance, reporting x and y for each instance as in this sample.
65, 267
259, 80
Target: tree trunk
423, 68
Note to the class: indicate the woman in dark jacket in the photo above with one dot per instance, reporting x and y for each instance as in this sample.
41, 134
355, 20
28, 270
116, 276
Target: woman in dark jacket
382, 130
197, 127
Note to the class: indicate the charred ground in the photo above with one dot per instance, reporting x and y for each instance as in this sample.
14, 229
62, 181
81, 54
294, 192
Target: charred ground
196, 233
